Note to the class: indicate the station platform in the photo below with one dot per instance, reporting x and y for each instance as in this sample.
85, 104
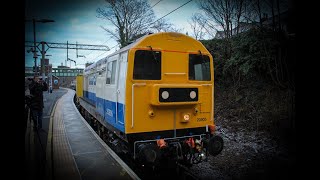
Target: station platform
74, 151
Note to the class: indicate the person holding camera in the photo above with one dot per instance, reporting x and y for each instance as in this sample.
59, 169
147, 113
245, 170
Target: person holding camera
36, 88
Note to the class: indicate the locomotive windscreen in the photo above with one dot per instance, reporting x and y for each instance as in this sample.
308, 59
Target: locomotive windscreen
199, 67
147, 65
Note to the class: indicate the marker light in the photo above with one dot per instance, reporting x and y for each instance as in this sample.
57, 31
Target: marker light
186, 117
165, 94
193, 94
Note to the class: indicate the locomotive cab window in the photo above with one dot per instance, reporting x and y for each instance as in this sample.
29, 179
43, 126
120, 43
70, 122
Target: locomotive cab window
147, 65
199, 67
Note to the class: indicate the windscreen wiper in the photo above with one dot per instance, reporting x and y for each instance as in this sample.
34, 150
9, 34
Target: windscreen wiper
154, 56
201, 57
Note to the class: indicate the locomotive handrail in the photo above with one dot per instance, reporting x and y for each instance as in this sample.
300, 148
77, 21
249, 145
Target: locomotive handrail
175, 73
132, 98
211, 98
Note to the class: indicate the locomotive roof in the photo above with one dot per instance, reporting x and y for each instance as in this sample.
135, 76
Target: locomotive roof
165, 34
103, 60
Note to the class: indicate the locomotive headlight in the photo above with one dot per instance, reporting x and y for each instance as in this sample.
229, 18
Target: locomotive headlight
193, 94
186, 117
165, 95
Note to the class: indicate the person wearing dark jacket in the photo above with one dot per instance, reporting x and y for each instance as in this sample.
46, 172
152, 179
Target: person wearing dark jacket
36, 104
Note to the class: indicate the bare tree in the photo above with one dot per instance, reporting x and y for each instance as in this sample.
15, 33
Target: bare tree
238, 13
174, 29
225, 13
259, 11
207, 24
161, 25
251, 11
254, 11
214, 11
197, 28
276, 8
229, 17
130, 17
222, 16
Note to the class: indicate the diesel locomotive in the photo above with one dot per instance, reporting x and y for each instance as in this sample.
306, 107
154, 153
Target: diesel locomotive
154, 100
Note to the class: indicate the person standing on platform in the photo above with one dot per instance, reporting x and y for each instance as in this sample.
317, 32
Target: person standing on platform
36, 88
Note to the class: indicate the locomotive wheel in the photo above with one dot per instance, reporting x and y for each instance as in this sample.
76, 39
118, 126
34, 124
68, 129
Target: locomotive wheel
215, 145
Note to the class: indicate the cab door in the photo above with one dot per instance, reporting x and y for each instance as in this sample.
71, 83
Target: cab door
122, 74
110, 91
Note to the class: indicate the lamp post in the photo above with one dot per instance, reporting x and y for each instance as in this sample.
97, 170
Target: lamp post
35, 45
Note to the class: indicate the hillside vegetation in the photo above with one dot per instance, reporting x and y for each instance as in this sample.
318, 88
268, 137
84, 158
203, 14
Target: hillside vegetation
254, 81
254, 106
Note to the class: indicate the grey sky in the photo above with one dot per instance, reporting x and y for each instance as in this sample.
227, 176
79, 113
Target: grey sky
76, 21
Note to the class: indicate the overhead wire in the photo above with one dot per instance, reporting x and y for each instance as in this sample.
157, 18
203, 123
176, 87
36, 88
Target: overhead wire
100, 55
100, 44
156, 4
105, 52
155, 20
171, 11
111, 36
